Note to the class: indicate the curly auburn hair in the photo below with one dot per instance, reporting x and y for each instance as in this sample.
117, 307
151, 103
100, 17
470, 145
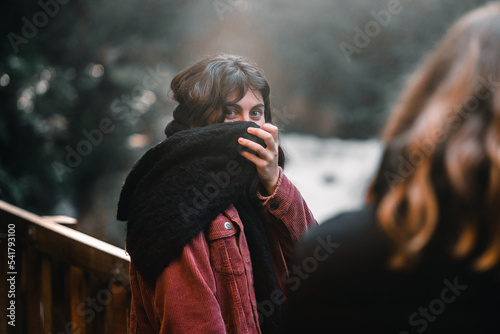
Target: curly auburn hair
442, 150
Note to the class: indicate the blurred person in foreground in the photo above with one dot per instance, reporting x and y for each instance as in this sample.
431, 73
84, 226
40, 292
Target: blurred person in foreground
211, 219
423, 254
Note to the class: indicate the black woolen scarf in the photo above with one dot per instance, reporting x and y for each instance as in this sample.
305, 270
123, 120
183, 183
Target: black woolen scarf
265, 280
176, 190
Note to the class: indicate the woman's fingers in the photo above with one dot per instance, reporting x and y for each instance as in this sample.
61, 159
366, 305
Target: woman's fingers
268, 133
261, 151
272, 129
255, 159
266, 158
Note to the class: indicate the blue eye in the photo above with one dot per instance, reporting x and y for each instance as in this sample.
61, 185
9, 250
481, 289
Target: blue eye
256, 113
229, 112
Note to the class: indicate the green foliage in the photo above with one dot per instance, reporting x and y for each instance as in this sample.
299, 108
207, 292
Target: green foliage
67, 110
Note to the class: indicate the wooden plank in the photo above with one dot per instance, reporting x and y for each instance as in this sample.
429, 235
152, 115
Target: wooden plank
95, 304
121, 308
77, 248
32, 291
46, 282
94, 290
109, 314
61, 300
78, 291
63, 220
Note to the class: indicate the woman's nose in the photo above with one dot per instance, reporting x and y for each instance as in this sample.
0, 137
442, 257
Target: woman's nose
245, 117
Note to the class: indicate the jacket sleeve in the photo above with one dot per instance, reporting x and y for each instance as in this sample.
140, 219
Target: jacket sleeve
183, 299
286, 217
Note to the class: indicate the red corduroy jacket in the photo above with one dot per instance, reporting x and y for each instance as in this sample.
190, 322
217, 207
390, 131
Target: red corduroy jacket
209, 288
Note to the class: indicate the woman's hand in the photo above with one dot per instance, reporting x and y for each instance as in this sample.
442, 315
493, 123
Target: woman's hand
266, 159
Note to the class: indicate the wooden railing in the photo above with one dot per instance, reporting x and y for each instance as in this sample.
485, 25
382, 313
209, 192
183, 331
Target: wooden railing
54, 279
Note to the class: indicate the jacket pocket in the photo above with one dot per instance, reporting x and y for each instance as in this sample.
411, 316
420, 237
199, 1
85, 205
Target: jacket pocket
225, 255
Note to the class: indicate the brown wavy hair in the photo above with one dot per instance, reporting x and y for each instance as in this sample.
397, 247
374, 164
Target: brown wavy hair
202, 90
442, 155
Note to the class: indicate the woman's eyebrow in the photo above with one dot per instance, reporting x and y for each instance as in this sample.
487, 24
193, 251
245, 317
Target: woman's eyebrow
232, 104
236, 105
260, 105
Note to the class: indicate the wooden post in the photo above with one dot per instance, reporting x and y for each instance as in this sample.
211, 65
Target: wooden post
78, 291
121, 308
46, 282
31, 291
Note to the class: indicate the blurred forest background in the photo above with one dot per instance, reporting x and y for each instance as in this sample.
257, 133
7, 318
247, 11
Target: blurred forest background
84, 84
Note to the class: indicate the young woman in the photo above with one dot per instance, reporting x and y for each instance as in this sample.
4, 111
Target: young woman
423, 255
212, 219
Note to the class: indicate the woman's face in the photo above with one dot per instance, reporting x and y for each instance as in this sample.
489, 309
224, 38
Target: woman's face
249, 108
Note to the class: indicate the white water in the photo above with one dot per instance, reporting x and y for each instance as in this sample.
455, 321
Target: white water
331, 174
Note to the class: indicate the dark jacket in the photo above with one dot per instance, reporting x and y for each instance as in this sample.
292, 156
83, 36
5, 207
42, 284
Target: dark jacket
342, 284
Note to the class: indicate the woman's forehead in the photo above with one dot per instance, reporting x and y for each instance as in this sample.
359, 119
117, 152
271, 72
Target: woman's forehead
237, 95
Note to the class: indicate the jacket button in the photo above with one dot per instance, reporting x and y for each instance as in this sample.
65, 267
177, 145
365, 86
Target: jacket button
228, 226
274, 205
